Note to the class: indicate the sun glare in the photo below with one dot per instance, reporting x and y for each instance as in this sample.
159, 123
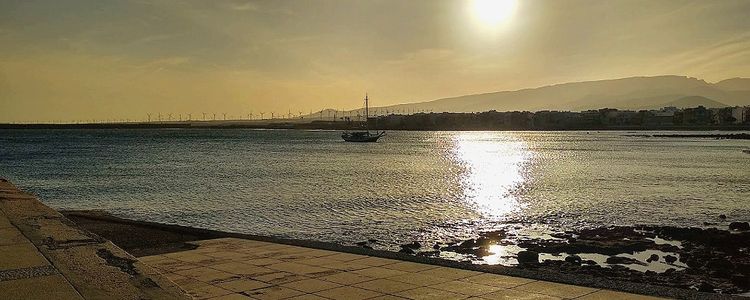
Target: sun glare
493, 12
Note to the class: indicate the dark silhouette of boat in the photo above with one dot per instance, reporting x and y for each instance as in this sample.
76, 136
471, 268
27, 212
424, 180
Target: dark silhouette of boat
363, 136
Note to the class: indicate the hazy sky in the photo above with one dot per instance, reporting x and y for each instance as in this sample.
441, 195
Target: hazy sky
75, 59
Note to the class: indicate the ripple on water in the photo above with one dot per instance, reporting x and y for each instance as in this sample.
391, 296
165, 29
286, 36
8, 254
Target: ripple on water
427, 186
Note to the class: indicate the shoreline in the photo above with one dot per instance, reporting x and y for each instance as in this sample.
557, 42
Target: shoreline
123, 232
338, 126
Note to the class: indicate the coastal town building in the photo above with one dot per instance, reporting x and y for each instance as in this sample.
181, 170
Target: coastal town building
606, 118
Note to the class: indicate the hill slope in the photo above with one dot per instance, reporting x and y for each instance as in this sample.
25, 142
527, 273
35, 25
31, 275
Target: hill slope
625, 93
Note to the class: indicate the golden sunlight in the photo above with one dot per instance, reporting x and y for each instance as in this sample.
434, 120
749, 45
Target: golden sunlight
495, 167
493, 12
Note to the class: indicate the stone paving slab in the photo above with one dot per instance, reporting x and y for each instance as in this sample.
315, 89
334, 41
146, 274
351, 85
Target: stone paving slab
231, 268
43, 287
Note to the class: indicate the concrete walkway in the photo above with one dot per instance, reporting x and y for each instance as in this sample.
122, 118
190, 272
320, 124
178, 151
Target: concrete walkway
24, 272
43, 255
231, 268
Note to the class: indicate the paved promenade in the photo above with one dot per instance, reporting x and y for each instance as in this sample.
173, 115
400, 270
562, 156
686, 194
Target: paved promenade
230, 268
43, 255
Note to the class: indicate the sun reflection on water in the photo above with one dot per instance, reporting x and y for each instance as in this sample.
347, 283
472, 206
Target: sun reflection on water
495, 168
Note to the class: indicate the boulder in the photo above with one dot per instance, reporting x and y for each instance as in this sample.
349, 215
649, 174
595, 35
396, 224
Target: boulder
574, 259
739, 226
653, 257
413, 245
741, 281
406, 250
528, 257
589, 262
704, 287
619, 260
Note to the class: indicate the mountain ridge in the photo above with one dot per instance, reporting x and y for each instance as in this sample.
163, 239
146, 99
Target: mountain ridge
639, 92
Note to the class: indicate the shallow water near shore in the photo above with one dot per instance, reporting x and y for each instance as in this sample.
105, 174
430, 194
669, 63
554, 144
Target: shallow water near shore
424, 186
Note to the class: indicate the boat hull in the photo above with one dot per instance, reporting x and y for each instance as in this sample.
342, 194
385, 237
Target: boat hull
362, 138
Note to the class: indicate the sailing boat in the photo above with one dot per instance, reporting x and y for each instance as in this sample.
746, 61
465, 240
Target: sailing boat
363, 136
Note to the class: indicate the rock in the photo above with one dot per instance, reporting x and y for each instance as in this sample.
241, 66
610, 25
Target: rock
561, 235
666, 248
670, 259
413, 245
528, 257
669, 271
469, 243
653, 257
704, 287
739, 226
601, 245
723, 217
574, 259
406, 250
429, 253
589, 262
361, 244
741, 281
708, 223
372, 241
619, 260
720, 263
436, 246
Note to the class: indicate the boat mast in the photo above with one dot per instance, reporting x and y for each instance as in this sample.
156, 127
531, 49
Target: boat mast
367, 113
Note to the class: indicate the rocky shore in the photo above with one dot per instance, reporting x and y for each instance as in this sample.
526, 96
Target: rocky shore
703, 259
683, 263
736, 136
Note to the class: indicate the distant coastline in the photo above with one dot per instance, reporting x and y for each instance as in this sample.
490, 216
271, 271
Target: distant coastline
669, 118
336, 127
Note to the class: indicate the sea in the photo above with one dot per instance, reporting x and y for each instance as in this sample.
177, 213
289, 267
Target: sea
436, 186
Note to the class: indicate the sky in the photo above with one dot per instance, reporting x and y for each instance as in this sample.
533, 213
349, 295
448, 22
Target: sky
78, 60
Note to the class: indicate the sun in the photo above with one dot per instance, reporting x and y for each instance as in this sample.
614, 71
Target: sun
493, 12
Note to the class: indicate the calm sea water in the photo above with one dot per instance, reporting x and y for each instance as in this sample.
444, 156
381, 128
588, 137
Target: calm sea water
427, 186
